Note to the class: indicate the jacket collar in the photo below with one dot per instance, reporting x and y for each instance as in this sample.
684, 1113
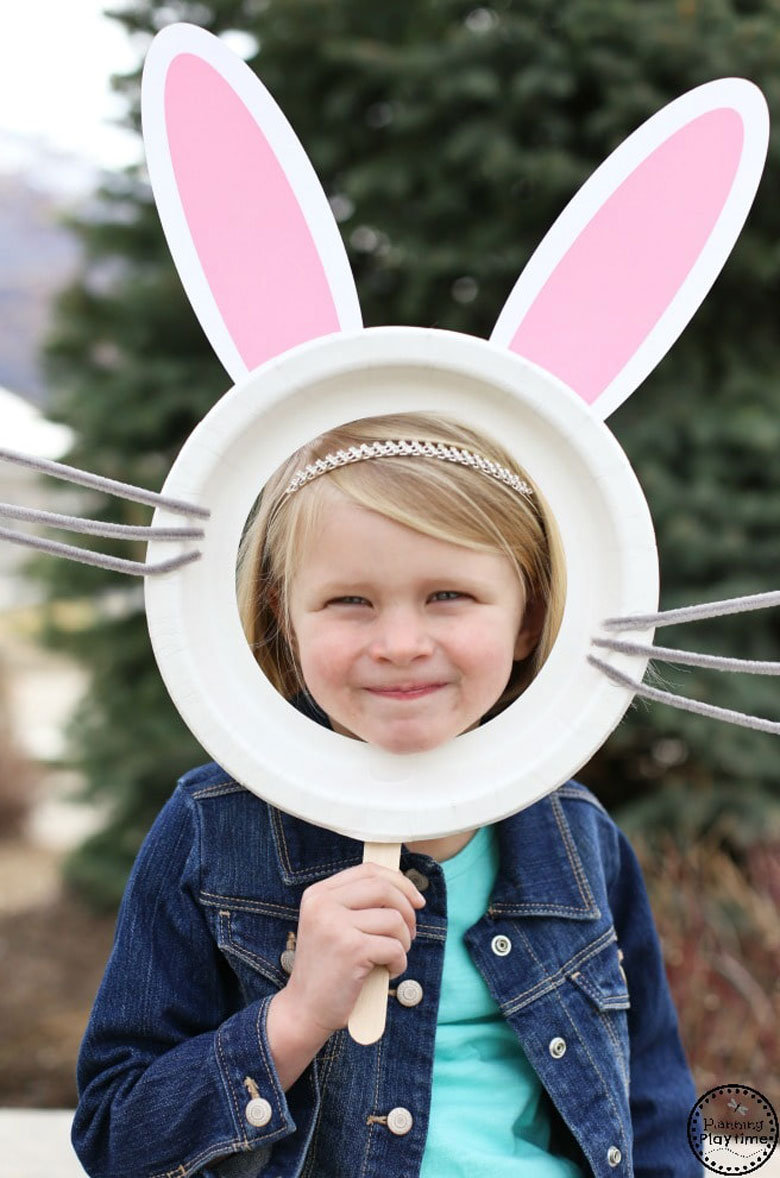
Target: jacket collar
540, 873
307, 853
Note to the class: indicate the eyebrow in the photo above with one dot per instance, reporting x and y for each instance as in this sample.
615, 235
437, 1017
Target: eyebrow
362, 586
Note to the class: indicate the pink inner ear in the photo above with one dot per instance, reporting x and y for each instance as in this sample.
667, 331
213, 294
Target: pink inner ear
621, 273
252, 240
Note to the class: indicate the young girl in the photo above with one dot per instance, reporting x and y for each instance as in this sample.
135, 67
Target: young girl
400, 592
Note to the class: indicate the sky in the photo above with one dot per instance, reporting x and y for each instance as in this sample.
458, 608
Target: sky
56, 58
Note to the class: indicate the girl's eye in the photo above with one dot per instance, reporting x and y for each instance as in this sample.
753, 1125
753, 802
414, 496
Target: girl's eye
349, 600
448, 595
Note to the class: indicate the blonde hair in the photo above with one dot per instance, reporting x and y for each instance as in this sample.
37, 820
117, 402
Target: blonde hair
444, 500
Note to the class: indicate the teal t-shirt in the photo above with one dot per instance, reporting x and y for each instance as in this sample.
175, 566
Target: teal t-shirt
488, 1108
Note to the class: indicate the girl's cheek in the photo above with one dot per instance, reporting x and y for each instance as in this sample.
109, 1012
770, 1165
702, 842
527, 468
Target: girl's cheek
329, 652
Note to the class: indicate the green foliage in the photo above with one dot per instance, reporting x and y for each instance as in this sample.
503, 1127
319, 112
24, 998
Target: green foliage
448, 137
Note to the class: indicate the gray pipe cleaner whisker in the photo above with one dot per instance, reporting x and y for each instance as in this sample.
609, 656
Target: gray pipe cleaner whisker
135, 568
83, 478
72, 523
673, 617
686, 658
687, 705
695, 613
94, 527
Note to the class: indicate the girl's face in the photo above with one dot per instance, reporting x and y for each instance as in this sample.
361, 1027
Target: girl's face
405, 641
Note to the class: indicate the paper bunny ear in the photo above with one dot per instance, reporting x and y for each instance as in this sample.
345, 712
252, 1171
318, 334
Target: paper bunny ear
247, 222
627, 263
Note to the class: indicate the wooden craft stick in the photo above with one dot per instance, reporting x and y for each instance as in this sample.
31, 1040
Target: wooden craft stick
367, 1021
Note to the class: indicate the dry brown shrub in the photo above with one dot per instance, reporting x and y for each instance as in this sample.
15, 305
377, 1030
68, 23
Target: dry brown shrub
720, 931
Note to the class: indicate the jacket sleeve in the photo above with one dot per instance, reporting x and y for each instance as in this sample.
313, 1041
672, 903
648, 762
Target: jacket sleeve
174, 1076
661, 1089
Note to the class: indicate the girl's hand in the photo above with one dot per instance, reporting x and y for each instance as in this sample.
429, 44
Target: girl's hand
350, 922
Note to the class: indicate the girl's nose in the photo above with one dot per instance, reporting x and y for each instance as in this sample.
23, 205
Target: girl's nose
400, 636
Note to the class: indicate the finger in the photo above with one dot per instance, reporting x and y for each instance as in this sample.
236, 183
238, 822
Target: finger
386, 951
375, 893
325, 920
374, 874
383, 922
377, 871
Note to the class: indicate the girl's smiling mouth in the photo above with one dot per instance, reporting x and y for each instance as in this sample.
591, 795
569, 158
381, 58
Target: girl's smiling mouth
406, 691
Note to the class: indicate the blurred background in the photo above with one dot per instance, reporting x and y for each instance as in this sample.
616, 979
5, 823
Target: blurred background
448, 137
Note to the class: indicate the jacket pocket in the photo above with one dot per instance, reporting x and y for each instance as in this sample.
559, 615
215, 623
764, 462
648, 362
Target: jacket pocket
603, 980
254, 944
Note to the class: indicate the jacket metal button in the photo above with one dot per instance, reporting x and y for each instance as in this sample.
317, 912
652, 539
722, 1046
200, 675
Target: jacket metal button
557, 1047
614, 1156
399, 1121
501, 945
258, 1112
287, 959
620, 965
420, 881
409, 992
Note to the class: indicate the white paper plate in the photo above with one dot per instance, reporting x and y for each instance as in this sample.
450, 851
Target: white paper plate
484, 775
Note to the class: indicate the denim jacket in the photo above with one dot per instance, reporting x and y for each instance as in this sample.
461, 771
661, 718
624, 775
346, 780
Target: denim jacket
175, 1074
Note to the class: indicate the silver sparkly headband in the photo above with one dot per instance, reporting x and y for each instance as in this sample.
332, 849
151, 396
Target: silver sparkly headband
391, 449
